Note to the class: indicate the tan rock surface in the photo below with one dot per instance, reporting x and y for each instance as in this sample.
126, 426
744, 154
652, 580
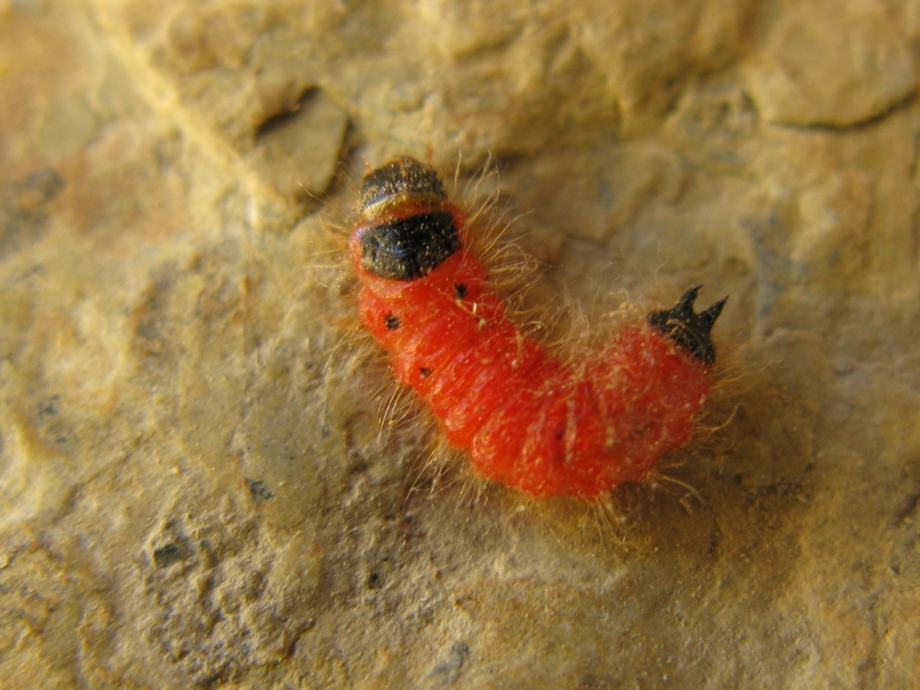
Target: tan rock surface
831, 63
194, 487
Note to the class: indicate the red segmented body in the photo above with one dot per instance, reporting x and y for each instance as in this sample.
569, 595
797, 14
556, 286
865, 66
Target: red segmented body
527, 419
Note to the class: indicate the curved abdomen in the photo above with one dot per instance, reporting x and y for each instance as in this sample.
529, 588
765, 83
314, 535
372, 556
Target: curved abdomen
550, 427
526, 418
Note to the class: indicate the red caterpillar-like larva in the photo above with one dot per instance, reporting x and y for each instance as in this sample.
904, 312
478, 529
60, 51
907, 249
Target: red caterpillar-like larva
527, 419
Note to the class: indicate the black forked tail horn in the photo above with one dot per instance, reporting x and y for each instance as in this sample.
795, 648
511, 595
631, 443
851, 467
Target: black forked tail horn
688, 329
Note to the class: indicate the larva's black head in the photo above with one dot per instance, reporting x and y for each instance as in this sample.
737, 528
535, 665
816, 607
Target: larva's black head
409, 248
400, 180
688, 329
412, 230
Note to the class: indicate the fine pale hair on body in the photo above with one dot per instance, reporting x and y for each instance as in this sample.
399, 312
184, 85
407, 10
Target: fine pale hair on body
600, 418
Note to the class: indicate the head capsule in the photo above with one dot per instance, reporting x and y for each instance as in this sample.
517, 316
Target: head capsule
409, 228
403, 182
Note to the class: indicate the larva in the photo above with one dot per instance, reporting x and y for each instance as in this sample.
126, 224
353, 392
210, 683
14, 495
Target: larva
527, 419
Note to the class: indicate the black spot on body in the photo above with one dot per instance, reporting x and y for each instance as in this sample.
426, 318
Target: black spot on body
425, 372
392, 322
409, 248
460, 290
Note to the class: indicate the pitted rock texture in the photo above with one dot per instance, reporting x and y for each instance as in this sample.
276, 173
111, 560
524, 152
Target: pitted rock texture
207, 478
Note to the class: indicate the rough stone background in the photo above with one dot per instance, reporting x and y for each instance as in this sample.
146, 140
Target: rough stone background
194, 488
